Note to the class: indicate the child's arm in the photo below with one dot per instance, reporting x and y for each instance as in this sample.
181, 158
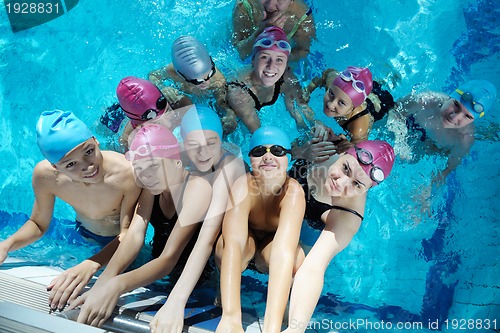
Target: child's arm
99, 307
300, 111
235, 238
244, 31
283, 254
318, 82
41, 214
171, 314
340, 228
303, 39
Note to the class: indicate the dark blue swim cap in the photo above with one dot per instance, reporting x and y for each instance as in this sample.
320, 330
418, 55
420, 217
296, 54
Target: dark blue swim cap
270, 135
200, 117
58, 132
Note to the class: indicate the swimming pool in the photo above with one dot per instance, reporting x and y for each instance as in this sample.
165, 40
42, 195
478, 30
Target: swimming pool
402, 266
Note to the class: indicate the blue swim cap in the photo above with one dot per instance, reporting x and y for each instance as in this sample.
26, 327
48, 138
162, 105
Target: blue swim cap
270, 135
58, 132
190, 57
478, 96
200, 117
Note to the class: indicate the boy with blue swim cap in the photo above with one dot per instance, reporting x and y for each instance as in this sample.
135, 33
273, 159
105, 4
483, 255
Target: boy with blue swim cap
441, 123
99, 185
478, 96
264, 225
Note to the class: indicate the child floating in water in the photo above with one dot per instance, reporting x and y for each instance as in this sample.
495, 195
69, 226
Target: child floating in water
354, 100
441, 123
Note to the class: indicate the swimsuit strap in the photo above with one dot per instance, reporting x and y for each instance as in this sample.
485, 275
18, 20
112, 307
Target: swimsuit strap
345, 209
258, 105
353, 118
276, 93
298, 23
249, 9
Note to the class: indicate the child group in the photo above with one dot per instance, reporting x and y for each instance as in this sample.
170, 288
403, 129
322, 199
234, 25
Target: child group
203, 200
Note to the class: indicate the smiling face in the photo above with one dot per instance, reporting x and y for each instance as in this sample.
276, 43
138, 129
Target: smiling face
346, 178
455, 115
203, 148
269, 165
150, 173
84, 163
336, 103
269, 66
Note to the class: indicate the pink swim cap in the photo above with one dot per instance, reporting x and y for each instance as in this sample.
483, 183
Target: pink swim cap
272, 38
153, 140
356, 82
140, 99
375, 157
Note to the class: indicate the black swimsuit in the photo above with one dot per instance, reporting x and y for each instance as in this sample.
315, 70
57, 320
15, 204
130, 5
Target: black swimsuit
314, 208
163, 227
258, 104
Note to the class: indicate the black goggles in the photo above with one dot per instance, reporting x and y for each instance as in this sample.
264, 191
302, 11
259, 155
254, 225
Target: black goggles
161, 104
276, 150
197, 82
365, 157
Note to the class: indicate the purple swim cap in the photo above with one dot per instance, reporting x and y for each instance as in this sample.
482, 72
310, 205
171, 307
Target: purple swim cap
356, 82
375, 157
140, 99
153, 140
272, 38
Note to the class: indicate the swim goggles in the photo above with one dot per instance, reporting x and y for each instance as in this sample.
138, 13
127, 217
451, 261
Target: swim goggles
276, 150
146, 150
161, 105
365, 157
197, 82
467, 97
268, 43
358, 85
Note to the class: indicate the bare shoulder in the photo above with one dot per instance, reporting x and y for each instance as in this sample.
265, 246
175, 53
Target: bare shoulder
45, 174
298, 8
117, 168
293, 187
200, 183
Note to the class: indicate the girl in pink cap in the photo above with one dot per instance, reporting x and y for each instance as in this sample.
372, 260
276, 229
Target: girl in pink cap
251, 17
336, 192
354, 100
168, 188
269, 77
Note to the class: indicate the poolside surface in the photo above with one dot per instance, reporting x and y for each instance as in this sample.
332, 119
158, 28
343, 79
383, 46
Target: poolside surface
23, 289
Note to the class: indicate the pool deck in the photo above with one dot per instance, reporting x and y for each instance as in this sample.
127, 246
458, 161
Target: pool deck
24, 305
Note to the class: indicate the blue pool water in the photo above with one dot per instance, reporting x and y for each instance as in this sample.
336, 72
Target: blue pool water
407, 264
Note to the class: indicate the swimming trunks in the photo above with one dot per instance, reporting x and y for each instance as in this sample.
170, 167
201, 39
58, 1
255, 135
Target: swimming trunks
258, 104
86, 233
292, 32
386, 102
314, 208
413, 126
